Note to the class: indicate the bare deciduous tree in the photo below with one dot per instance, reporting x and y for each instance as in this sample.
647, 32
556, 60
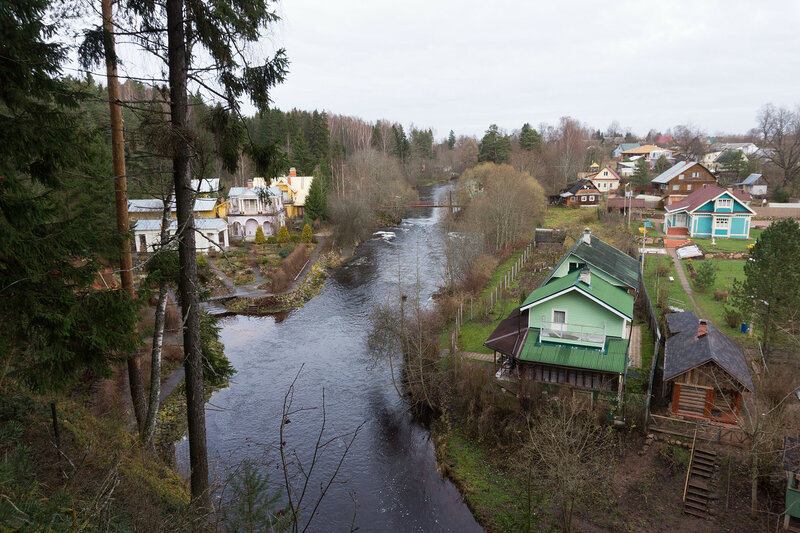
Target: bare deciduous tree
573, 455
778, 131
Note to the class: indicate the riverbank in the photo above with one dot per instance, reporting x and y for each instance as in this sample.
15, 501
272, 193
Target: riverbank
298, 294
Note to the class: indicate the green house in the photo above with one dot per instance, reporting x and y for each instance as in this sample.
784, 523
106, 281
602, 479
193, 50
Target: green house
574, 329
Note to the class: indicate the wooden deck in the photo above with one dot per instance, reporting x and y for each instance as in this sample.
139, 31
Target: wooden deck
707, 431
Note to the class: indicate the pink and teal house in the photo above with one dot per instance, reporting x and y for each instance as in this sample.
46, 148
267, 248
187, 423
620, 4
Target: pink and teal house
710, 212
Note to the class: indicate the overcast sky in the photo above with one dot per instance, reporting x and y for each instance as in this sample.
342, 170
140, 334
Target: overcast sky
465, 65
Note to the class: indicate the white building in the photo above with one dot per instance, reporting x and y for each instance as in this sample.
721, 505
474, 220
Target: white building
209, 233
253, 206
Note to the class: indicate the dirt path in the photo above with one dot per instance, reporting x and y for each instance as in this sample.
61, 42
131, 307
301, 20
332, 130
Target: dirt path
636, 346
682, 277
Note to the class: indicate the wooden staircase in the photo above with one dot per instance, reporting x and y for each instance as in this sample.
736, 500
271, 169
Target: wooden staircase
698, 491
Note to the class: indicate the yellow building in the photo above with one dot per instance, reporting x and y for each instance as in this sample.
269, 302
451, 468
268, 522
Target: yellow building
294, 190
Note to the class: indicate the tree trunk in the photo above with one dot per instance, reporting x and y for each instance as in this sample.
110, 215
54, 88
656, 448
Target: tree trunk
155, 366
187, 282
121, 200
158, 334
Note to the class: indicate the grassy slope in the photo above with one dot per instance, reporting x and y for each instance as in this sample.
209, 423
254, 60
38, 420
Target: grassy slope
99, 455
496, 496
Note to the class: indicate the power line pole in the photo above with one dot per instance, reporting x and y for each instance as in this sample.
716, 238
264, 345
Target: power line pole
121, 198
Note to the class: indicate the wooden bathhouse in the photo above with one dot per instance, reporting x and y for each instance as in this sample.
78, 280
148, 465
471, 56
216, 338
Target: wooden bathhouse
705, 372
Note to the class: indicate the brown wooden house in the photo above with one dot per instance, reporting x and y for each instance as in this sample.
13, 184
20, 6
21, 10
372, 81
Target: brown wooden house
582, 194
680, 180
705, 372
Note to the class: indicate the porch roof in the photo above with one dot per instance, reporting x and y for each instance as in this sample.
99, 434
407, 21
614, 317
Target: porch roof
615, 358
509, 335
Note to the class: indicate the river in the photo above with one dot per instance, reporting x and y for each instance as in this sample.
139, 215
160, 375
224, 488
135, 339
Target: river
390, 470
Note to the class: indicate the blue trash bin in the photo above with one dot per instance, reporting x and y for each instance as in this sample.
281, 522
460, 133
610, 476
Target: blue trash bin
745, 327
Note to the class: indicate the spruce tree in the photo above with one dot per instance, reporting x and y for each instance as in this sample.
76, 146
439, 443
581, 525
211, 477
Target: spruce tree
315, 201
302, 160
529, 138
55, 228
451, 140
495, 147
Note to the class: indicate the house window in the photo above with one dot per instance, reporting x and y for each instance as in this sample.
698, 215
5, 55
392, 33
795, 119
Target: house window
591, 198
689, 187
721, 223
695, 174
680, 177
675, 187
724, 203
559, 316
573, 265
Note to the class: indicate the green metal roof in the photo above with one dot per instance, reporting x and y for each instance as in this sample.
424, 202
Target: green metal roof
609, 294
610, 260
615, 358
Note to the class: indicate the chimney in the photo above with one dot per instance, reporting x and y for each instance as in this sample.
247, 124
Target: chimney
292, 172
702, 328
587, 236
250, 183
586, 276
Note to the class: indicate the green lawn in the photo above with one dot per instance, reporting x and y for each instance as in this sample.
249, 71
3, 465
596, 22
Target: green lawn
562, 217
474, 332
728, 245
712, 309
678, 297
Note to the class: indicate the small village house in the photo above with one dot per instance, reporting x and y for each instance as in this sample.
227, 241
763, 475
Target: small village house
210, 234
680, 180
574, 330
606, 180
255, 206
755, 185
582, 194
650, 152
705, 372
710, 212
623, 147
748, 149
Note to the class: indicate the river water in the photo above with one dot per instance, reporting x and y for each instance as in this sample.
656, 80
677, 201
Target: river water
390, 470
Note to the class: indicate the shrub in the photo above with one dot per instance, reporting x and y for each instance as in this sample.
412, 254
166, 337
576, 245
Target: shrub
202, 261
295, 261
284, 252
272, 239
706, 275
732, 317
283, 235
663, 267
308, 233
662, 299
295, 238
260, 238
279, 280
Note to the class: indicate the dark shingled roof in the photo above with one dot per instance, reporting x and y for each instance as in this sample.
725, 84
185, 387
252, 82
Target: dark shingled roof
684, 350
605, 257
509, 335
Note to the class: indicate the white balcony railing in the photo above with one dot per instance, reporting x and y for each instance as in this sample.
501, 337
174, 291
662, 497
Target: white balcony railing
572, 333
